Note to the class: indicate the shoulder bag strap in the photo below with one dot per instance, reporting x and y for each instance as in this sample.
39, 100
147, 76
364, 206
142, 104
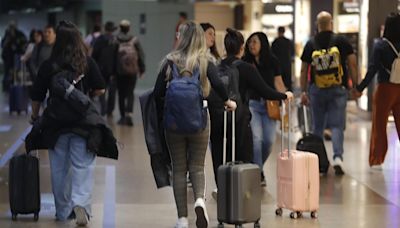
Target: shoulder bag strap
392, 46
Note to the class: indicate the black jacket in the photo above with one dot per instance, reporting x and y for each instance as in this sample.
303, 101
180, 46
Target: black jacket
155, 140
100, 139
90, 125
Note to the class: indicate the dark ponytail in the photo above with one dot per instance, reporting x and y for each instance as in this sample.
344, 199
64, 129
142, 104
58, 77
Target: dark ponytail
233, 42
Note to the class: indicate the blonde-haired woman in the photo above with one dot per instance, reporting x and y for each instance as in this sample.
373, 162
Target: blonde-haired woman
188, 151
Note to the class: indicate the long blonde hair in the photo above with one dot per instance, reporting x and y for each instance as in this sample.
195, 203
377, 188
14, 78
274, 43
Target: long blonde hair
191, 53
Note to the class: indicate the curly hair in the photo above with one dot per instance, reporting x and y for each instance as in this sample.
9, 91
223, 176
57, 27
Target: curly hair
69, 49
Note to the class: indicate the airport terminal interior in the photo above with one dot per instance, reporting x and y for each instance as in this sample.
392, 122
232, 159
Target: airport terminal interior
125, 194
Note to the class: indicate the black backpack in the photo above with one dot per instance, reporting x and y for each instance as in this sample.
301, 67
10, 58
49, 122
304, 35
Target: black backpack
229, 74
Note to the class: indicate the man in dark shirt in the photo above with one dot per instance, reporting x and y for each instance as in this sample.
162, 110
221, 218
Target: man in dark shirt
42, 51
283, 49
12, 44
126, 82
328, 105
104, 53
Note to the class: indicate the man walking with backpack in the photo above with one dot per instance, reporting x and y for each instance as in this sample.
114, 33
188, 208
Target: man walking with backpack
332, 59
130, 65
104, 52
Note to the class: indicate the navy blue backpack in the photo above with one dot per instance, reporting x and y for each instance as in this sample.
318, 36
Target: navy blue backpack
184, 112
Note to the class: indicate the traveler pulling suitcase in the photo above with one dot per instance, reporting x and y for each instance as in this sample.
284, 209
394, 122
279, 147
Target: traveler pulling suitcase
24, 187
298, 181
315, 144
239, 190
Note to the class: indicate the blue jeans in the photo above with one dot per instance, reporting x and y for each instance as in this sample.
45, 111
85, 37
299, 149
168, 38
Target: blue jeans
328, 107
264, 132
72, 169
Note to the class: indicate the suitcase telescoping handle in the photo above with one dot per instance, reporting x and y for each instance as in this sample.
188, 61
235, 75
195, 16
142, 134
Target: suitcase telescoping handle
233, 137
306, 127
283, 126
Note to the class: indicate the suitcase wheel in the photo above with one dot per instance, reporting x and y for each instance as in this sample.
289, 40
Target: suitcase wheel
314, 214
257, 225
238, 226
278, 212
14, 217
221, 225
36, 217
294, 215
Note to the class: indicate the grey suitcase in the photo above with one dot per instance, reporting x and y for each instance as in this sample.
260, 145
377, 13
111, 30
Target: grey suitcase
239, 190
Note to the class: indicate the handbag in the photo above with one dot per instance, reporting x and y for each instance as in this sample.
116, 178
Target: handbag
273, 110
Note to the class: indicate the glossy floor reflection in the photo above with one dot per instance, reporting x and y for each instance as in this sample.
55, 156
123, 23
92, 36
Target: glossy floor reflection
125, 194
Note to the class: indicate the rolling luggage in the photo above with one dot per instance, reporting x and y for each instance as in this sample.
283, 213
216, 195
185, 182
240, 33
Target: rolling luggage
315, 144
24, 187
298, 181
239, 190
19, 95
304, 118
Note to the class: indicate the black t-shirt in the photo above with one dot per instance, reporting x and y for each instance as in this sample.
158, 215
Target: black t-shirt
323, 40
93, 79
284, 50
268, 73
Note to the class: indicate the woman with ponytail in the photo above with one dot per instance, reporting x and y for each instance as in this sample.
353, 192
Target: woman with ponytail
249, 79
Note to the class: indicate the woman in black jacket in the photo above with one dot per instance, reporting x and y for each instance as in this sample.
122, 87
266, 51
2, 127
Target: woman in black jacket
71, 163
249, 78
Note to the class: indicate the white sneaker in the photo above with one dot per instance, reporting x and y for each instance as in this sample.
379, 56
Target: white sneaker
337, 165
182, 223
201, 213
82, 218
214, 194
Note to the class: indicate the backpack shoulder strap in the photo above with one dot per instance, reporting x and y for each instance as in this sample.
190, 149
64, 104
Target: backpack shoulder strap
332, 40
392, 46
314, 43
237, 62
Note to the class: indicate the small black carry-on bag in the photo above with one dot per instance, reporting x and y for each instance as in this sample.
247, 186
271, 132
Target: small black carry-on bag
239, 189
24, 187
314, 144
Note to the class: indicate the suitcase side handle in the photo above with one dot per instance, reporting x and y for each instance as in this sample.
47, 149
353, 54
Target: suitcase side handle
283, 126
233, 137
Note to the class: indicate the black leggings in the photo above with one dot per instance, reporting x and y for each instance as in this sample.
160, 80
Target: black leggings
243, 138
126, 86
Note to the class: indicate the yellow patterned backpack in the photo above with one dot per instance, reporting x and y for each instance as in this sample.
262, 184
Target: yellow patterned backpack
328, 69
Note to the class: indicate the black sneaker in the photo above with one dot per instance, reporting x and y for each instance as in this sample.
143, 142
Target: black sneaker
122, 121
129, 121
263, 181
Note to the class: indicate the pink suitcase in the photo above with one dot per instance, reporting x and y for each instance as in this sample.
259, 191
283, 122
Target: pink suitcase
298, 181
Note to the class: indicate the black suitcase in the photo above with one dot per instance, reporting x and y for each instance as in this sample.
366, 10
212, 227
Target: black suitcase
24, 187
239, 189
313, 143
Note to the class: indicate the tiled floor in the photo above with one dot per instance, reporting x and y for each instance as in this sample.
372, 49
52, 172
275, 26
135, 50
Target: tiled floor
125, 194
